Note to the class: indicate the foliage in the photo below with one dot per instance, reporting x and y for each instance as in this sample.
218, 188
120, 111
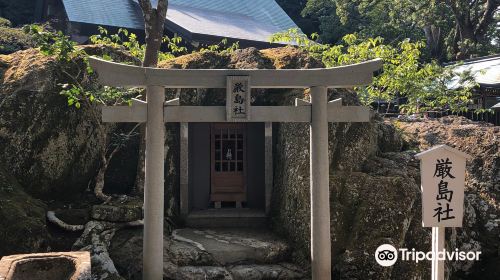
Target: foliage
452, 29
294, 9
71, 59
222, 47
76, 95
68, 53
13, 39
173, 46
330, 25
474, 23
53, 43
424, 85
128, 41
295, 36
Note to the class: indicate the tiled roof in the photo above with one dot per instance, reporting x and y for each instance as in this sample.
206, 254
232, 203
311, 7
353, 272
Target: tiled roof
119, 13
254, 20
264, 11
486, 70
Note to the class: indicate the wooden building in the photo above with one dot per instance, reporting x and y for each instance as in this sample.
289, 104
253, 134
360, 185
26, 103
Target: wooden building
486, 71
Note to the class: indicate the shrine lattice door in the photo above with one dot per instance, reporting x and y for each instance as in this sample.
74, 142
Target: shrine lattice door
228, 163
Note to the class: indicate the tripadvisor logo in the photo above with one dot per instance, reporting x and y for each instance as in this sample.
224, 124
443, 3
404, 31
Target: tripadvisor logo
387, 255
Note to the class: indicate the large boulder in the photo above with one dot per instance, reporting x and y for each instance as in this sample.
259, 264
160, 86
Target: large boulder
374, 208
481, 225
22, 219
374, 197
51, 148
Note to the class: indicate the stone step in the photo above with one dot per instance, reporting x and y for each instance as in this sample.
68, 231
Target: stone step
235, 246
227, 218
231, 254
237, 272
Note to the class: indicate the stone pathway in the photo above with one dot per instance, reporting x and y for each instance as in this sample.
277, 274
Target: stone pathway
227, 254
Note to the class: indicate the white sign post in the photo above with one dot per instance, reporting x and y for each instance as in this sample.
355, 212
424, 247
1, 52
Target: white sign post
443, 179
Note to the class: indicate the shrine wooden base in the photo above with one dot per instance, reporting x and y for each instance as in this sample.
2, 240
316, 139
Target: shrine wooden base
218, 198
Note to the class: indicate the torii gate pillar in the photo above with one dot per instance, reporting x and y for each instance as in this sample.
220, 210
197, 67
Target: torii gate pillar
154, 184
320, 194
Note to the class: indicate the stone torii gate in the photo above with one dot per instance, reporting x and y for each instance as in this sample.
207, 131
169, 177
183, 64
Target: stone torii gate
155, 112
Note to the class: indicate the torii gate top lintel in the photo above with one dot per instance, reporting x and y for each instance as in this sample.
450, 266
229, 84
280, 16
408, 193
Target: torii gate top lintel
117, 74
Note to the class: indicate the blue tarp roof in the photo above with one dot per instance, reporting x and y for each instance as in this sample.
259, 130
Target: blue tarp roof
254, 20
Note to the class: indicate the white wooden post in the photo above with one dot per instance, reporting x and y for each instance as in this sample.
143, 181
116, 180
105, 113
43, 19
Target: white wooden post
154, 185
320, 194
437, 246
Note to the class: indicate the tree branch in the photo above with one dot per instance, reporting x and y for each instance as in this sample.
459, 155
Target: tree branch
51, 216
162, 8
472, 3
489, 11
99, 180
146, 9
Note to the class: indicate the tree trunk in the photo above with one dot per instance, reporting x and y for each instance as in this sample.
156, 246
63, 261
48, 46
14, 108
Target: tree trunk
486, 19
154, 21
467, 40
434, 41
456, 40
471, 27
99, 180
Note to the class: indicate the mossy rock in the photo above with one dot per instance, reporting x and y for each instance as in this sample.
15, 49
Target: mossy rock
5, 22
13, 39
197, 60
22, 219
116, 211
53, 150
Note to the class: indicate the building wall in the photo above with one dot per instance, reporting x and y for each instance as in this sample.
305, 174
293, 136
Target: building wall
255, 166
199, 166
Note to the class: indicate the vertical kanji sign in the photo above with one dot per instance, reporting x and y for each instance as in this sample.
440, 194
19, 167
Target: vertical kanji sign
238, 98
442, 170
443, 176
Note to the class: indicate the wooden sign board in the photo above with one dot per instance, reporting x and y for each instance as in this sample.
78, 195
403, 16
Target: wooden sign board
442, 182
238, 98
